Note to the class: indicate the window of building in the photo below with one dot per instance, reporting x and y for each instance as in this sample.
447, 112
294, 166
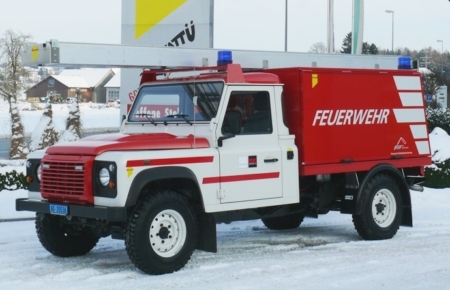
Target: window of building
51, 83
113, 95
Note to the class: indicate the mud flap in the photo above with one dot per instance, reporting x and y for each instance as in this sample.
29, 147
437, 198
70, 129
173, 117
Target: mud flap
349, 202
407, 216
207, 237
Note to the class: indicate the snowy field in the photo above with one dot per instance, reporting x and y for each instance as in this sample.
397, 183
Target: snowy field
94, 117
324, 253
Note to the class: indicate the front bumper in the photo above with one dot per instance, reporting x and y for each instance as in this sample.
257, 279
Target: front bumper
110, 214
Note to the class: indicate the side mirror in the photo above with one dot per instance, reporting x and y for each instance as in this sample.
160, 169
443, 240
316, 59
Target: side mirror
221, 138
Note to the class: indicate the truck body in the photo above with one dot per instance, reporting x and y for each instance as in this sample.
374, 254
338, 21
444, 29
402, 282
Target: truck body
224, 144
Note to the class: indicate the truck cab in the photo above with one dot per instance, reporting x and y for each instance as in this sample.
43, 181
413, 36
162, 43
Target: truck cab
241, 120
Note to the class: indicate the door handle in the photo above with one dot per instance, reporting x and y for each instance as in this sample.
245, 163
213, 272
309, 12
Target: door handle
270, 160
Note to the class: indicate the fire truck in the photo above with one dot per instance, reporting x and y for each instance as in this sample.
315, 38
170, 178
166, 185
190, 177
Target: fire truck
240, 140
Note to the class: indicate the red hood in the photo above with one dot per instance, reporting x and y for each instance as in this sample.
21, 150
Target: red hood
97, 144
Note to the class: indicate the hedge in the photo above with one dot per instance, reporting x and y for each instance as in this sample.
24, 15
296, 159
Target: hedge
438, 118
12, 181
438, 175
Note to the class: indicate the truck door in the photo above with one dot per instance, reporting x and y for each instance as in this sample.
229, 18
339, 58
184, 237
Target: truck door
250, 156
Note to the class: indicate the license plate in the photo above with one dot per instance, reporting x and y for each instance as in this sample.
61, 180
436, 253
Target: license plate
59, 209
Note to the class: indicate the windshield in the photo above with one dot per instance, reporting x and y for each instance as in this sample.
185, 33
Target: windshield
175, 102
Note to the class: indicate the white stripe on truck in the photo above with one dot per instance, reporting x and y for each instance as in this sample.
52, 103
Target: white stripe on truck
409, 115
407, 83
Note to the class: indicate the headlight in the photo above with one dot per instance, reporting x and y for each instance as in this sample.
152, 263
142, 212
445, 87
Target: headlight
104, 176
39, 172
34, 176
105, 179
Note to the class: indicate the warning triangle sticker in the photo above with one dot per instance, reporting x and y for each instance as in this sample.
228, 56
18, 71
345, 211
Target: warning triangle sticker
150, 12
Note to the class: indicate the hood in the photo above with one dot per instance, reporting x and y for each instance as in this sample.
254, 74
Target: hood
97, 144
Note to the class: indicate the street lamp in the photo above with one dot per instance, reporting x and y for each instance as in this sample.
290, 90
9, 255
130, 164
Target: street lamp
442, 63
392, 12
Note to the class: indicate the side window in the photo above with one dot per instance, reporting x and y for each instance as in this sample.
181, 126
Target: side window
248, 113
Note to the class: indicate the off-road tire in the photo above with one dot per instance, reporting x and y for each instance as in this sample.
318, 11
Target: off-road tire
381, 209
62, 239
161, 233
291, 221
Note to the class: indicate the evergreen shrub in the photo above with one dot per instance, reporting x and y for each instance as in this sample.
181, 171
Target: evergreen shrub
438, 118
12, 181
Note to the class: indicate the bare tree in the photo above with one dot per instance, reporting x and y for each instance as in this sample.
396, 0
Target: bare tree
11, 84
318, 47
430, 86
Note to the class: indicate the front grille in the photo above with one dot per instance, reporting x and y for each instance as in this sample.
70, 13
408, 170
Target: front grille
67, 180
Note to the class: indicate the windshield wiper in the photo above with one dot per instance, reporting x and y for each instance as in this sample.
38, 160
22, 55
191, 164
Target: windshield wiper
148, 116
180, 116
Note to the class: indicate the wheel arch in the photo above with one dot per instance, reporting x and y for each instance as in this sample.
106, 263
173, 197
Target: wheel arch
398, 177
155, 176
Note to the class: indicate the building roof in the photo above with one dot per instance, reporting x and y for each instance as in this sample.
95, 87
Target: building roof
425, 71
72, 81
92, 76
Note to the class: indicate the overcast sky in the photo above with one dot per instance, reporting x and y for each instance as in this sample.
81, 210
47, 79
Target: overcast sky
243, 24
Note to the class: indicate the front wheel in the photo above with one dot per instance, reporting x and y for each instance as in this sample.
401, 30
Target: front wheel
63, 239
382, 209
161, 233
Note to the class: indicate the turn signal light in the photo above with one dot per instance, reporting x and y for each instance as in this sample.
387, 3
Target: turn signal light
29, 179
112, 184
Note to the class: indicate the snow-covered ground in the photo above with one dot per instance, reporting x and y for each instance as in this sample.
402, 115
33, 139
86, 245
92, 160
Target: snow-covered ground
94, 117
324, 253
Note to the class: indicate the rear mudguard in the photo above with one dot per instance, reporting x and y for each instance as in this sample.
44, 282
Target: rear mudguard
352, 201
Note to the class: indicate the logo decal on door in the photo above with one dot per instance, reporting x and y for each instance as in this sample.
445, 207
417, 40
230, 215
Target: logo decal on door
252, 161
248, 161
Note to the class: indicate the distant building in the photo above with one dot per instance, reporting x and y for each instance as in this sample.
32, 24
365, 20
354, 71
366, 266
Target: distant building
113, 87
86, 85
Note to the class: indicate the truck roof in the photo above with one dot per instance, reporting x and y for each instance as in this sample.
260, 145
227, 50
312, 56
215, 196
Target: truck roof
232, 73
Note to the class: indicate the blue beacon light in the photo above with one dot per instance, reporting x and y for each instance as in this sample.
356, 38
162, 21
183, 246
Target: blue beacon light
224, 57
404, 62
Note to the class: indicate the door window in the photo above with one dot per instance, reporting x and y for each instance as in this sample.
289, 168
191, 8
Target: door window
248, 113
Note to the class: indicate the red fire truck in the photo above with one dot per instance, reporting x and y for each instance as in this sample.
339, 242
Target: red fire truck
207, 145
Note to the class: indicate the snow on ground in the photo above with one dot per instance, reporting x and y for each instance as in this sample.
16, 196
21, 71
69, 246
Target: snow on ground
94, 117
324, 253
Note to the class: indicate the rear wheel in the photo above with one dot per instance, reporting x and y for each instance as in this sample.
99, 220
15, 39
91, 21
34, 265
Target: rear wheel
161, 233
291, 221
63, 239
382, 209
